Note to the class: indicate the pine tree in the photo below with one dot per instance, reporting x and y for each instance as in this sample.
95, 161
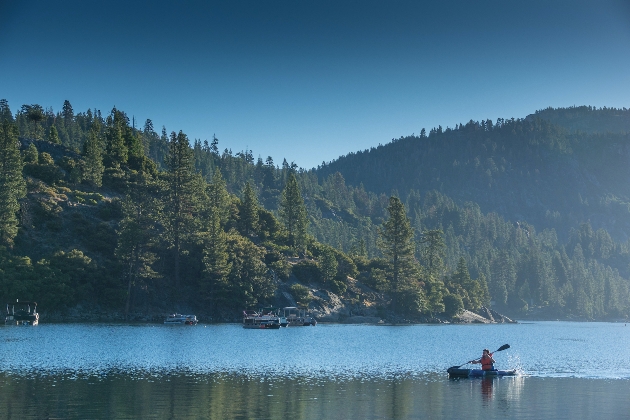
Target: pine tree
12, 185
396, 243
137, 235
214, 286
248, 210
328, 265
5, 111
293, 213
92, 150
218, 197
53, 136
183, 195
250, 281
433, 251
117, 150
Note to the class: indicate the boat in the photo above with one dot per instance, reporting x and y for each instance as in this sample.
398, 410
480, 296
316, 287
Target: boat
455, 372
297, 317
260, 320
179, 319
25, 314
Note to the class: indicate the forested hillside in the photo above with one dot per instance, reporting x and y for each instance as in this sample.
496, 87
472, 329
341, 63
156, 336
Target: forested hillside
529, 215
525, 170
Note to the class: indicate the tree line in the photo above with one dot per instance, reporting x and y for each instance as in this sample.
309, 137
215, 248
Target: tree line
129, 218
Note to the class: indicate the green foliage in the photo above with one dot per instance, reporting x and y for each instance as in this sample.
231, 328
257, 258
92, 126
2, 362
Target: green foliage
410, 299
276, 261
396, 242
469, 258
45, 169
248, 211
301, 294
293, 213
137, 236
307, 271
432, 251
53, 136
453, 305
338, 287
250, 281
30, 154
92, 150
12, 185
214, 287
328, 265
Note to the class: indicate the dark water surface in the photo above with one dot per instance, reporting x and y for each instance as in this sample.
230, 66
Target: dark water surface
567, 370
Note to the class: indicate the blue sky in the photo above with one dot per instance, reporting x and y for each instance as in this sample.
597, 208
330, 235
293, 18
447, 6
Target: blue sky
312, 80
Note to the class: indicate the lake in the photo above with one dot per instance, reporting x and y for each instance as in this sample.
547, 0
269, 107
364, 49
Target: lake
566, 370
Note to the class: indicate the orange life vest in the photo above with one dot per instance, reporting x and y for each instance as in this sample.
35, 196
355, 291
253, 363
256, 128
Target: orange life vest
486, 362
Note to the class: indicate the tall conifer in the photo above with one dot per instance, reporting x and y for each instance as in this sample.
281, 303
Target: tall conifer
396, 243
293, 213
12, 185
183, 195
92, 150
248, 211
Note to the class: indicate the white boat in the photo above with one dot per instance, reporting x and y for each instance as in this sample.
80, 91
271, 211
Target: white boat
179, 319
297, 317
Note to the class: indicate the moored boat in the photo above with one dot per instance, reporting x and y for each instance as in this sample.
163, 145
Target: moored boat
260, 320
179, 319
455, 372
22, 313
297, 317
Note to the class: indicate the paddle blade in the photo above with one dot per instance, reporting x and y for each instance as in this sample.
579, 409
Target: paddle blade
503, 347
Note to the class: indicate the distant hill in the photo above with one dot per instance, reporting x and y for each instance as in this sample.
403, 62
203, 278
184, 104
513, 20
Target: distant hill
556, 168
587, 118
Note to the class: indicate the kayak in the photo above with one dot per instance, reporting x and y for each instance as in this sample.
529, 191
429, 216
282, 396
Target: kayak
455, 372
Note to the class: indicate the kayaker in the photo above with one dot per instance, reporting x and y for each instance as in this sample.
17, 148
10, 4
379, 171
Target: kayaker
486, 360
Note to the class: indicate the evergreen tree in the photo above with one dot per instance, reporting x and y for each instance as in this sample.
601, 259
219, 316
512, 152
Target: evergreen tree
432, 252
92, 150
218, 197
137, 235
67, 112
53, 136
474, 292
184, 193
12, 185
250, 281
5, 111
293, 213
117, 151
328, 265
34, 116
248, 210
214, 286
31, 155
396, 243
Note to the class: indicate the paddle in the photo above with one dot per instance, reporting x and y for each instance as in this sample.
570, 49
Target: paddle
503, 347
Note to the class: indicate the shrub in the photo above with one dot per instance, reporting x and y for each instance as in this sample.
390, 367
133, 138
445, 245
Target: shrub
453, 305
338, 287
301, 294
307, 271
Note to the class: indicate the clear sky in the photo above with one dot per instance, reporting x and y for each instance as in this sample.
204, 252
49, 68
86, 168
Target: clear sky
312, 80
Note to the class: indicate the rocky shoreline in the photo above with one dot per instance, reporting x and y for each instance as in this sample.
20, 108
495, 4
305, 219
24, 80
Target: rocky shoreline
342, 315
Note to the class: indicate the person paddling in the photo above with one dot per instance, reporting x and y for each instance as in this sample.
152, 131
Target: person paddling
486, 360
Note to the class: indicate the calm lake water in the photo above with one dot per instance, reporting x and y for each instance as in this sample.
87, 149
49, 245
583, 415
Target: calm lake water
567, 370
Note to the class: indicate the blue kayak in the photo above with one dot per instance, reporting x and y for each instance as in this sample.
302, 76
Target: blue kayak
456, 372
